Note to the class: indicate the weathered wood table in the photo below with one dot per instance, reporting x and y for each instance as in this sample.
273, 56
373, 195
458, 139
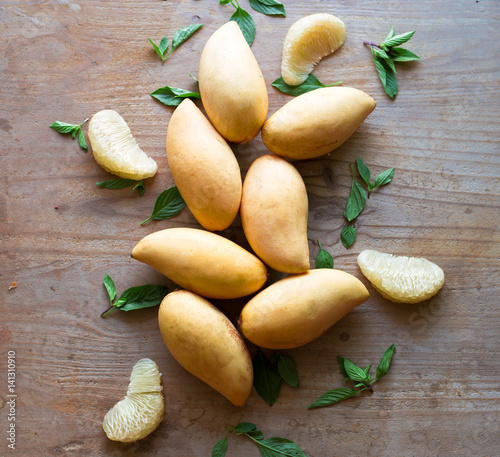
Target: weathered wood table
60, 234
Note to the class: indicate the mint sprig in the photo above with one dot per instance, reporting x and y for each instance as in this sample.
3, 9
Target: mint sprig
243, 19
269, 7
75, 130
384, 56
361, 378
311, 83
356, 201
269, 447
173, 96
179, 37
168, 204
134, 298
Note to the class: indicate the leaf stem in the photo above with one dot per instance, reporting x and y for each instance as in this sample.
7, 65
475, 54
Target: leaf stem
370, 43
108, 311
84, 122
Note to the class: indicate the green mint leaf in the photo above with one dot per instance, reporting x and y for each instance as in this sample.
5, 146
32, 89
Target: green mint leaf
288, 370
279, 447
256, 434
110, 287
324, 259
380, 69
384, 178
354, 373
367, 369
311, 83
246, 23
380, 53
348, 236
333, 396
220, 448
81, 140
244, 427
266, 380
173, 96
140, 188
391, 34
63, 127
224, 2
383, 366
270, 7
390, 64
168, 204
396, 40
403, 55
142, 297
156, 48
119, 183
340, 362
163, 47
356, 200
119, 303
184, 33
391, 84
364, 171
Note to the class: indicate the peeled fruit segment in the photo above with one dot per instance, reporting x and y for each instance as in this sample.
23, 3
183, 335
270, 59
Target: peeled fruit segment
142, 409
309, 40
116, 150
202, 262
300, 308
317, 122
205, 342
204, 168
274, 214
232, 87
399, 278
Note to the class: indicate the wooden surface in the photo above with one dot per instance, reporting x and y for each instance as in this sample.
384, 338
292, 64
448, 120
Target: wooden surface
65, 60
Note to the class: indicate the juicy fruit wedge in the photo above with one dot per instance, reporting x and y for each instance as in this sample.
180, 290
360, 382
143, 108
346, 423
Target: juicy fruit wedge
141, 411
307, 42
116, 150
399, 278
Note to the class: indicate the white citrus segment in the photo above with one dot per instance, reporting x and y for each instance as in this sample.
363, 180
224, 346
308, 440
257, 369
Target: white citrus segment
116, 150
309, 40
399, 278
141, 411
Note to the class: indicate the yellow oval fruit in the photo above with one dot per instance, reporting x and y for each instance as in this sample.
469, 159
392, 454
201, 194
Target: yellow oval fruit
300, 308
317, 122
232, 88
205, 342
399, 278
309, 40
204, 168
116, 150
274, 214
202, 262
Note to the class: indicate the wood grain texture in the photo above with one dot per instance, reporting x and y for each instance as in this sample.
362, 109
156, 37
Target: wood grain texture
67, 59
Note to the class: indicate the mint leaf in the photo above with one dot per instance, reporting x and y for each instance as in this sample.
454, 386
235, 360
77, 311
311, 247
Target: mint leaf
354, 373
220, 448
383, 366
168, 204
396, 40
246, 23
348, 236
63, 127
142, 297
173, 96
384, 178
110, 287
270, 7
81, 140
391, 34
380, 69
119, 183
140, 188
356, 200
324, 259
256, 434
391, 84
333, 396
364, 171
279, 447
288, 370
161, 49
244, 427
402, 55
184, 33
266, 380
311, 83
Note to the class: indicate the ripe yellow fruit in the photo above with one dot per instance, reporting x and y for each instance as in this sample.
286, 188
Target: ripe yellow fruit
232, 88
300, 308
205, 342
141, 411
204, 168
116, 150
309, 40
202, 262
399, 278
317, 122
274, 214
